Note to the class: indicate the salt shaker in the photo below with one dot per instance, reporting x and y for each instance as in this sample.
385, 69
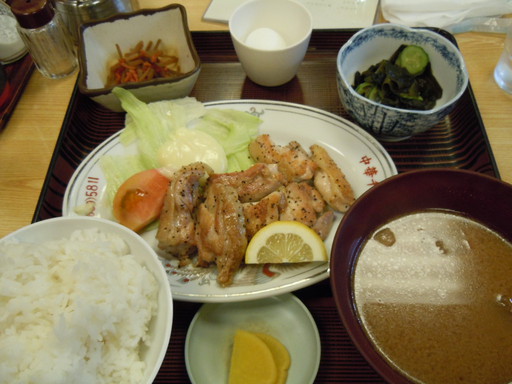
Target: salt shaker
46, 37
11, 45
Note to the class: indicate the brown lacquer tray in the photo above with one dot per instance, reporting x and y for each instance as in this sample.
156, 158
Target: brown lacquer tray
18, 74
459, 141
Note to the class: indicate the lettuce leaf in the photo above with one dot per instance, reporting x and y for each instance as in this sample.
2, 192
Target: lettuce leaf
150, 126
234, 130
117, 169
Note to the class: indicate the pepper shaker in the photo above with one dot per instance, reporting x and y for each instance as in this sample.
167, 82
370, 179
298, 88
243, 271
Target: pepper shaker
46, 37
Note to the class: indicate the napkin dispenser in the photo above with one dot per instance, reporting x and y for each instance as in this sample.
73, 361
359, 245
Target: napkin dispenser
455, 15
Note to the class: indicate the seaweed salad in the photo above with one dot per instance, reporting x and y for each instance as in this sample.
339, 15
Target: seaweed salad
405, 80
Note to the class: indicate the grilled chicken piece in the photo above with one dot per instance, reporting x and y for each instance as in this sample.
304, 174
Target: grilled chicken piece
252, 184
221, 236
293, 161
324, 224
303, 203
331, 181
264, 212
176, 231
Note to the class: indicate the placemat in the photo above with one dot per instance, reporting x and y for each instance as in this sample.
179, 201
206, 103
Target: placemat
459, 141
325, 13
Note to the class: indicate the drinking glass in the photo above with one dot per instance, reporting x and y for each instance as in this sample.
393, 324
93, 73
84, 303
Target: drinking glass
503, 70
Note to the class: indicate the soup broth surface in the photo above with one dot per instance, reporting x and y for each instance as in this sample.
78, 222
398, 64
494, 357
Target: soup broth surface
433, 293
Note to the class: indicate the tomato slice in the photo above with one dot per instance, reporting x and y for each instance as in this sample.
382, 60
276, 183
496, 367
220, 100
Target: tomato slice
139, 200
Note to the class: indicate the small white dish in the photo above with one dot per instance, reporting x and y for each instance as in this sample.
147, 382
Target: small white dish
210, 337
97, 52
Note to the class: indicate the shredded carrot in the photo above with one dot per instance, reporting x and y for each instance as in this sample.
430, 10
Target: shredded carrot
143, 63
139, 46
119, 52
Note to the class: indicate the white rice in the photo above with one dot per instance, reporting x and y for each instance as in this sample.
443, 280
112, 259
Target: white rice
74, 310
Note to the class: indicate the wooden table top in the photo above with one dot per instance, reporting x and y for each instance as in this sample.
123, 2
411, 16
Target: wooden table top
28, 140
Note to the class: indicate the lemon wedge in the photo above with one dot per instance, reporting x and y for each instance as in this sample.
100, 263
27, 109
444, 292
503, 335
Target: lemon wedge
252, 361
285, 242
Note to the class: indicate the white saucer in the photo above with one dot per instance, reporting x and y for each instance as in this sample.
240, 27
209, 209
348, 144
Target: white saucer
210, 336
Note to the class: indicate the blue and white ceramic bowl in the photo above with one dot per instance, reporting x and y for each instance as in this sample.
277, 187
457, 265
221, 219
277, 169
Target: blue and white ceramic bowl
373, 44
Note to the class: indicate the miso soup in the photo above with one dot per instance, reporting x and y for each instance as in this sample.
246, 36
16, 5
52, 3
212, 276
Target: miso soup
433, 290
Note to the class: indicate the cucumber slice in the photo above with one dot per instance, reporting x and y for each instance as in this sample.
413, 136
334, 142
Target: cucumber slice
364, 88
414, 59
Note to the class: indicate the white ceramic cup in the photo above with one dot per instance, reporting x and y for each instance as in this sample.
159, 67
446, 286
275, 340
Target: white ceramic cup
271, 38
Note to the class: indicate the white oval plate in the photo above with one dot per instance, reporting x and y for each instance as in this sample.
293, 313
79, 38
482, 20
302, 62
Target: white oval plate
361, 157
210, 337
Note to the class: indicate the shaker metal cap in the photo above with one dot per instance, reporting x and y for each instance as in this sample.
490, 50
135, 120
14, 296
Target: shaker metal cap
32, 13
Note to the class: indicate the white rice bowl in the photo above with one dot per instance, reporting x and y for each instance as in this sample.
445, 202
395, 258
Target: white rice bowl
84, 300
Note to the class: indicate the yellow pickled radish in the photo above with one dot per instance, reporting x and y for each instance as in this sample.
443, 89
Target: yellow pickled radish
281, 356
252, 361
